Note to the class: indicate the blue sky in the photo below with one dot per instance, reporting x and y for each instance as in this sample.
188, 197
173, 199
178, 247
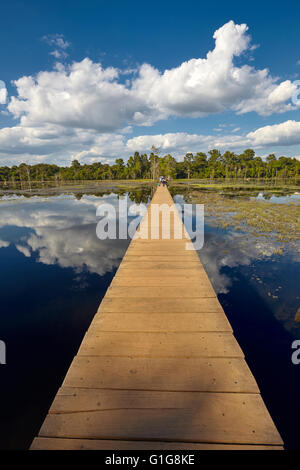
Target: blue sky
97, 80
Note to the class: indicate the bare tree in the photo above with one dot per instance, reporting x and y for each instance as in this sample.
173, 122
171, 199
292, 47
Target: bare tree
154, 159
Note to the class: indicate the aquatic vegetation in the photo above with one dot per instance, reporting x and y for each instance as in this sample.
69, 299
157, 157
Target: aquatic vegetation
257, 217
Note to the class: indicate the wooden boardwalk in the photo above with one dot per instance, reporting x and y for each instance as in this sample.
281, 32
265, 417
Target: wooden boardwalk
159, 367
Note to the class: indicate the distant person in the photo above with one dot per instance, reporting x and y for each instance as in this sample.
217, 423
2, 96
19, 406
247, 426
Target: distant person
163, 180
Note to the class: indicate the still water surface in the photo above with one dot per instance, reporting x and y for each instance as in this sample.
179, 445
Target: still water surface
54, 272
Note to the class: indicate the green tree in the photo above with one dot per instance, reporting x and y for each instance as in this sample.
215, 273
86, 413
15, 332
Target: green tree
188, 164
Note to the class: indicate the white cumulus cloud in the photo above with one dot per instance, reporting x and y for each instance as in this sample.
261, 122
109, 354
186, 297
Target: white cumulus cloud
3, 92
179, 143
86, 95
82, 95
285, 133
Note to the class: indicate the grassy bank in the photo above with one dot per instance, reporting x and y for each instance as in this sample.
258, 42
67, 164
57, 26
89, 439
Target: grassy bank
70, 187
237, 185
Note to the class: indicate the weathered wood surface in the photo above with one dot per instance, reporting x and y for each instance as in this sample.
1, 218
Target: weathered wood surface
159, 367
46, 443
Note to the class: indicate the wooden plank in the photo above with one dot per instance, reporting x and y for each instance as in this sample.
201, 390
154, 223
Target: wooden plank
148, 247
193, 274
154, 250
142, 258
46, 443
171, 264
154, 305
159, 281
173, 416
74, 400
164, 344
182, 244
188, 292
161, 253
149, 233
173, 374
157, 322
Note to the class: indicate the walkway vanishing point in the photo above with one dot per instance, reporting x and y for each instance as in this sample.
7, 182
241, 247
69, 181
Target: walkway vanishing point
159, 367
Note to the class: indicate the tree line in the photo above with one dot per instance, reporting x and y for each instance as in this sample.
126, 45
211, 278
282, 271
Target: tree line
213, 165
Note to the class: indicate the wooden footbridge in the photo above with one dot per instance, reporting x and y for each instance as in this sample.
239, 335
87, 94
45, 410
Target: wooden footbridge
159, 367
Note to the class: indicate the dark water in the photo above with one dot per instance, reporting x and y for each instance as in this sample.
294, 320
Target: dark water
54, 272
